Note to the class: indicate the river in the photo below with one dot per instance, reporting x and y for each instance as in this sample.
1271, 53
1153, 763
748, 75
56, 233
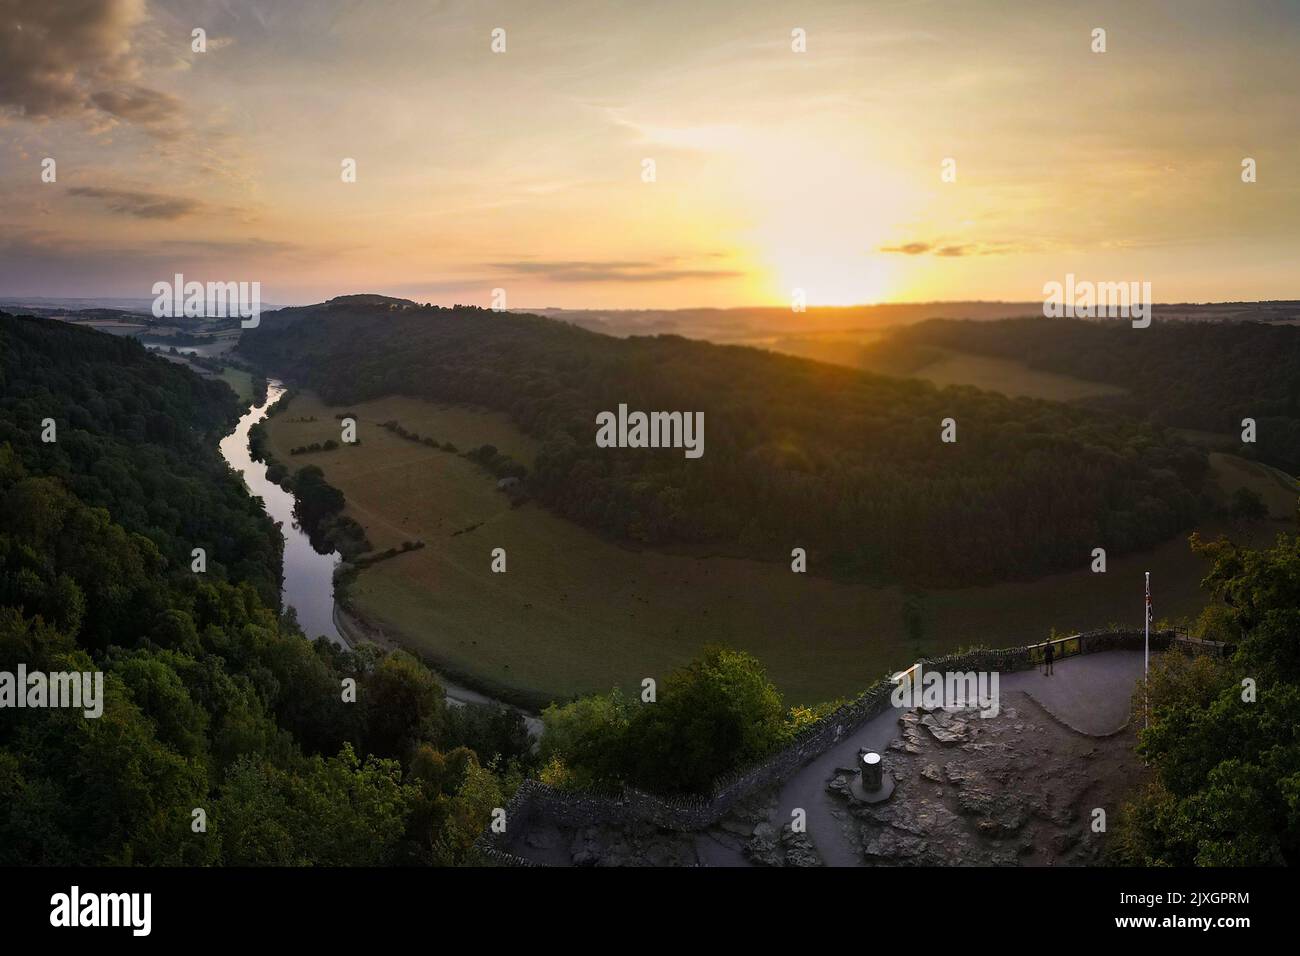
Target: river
308, 574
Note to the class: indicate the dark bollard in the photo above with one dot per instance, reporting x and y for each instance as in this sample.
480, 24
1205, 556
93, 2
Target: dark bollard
871, 769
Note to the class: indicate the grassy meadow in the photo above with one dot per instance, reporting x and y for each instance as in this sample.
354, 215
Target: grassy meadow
1008, 377
940, 366
240, 381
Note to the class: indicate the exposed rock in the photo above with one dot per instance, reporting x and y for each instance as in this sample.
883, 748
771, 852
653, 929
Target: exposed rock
799, 850
768, 847
642, 845
949, 732
956, 773
765, 832
890, 845
839, 784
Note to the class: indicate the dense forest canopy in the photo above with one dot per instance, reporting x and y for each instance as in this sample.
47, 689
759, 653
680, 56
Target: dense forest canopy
214, 700
1202, 375
846, 464
135, 436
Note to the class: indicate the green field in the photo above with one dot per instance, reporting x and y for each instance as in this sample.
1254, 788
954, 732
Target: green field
1006, 376
240, 381
1274, 486
941, 366
575, 613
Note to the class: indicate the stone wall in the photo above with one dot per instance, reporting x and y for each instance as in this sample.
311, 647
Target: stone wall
535, 800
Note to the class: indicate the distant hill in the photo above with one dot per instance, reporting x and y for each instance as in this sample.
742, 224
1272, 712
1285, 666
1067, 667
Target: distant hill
751, 325
361, 304
369, 298
798, 453
758, 326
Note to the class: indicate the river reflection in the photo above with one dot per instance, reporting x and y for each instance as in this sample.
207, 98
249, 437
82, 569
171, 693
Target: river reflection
308, 575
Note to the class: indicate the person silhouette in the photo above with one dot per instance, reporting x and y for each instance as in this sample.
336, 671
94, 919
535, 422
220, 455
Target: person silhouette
1049, 653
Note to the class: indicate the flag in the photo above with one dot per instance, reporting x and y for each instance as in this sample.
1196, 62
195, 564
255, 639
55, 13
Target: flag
1150, 616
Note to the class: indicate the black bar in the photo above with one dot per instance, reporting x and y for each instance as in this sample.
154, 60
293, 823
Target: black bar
940, 906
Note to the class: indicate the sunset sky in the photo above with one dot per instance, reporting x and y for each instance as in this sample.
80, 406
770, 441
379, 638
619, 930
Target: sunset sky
775, 169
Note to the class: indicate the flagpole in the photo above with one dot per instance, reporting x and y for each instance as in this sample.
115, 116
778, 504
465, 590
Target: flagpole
1146, 652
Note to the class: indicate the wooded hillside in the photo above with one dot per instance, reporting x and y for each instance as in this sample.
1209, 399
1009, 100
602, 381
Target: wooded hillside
797, 453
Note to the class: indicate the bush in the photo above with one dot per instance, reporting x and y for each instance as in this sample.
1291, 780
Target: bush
717, 714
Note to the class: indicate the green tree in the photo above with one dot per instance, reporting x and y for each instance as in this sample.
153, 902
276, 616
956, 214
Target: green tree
716, 714
588, 736
404, 705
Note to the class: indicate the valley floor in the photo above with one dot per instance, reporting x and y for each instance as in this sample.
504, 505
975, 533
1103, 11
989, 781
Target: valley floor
577, 614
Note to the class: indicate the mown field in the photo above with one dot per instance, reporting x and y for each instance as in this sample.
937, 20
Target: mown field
1009, 377
1274, 486
575, 613
940, 366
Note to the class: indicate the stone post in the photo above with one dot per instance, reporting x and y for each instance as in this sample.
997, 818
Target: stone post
871, 770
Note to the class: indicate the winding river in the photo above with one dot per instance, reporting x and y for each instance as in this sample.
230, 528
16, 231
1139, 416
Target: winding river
308, 574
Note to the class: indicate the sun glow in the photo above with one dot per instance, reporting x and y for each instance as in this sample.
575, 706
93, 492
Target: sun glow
830, 279
822, 234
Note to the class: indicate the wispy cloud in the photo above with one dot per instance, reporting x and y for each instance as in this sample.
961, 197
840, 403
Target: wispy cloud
909, 248
141, 204
956, 250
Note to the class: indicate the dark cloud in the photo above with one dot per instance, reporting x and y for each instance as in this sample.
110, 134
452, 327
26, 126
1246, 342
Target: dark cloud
137, 104
139, 204
609, 271
67, 58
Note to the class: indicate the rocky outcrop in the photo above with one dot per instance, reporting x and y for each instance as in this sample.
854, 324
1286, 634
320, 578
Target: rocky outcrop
772, 847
